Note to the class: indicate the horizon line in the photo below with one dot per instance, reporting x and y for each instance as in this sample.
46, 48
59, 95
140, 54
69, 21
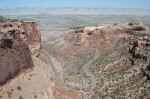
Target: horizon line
75, 8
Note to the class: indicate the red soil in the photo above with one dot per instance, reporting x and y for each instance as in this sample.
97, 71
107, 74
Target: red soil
63, 93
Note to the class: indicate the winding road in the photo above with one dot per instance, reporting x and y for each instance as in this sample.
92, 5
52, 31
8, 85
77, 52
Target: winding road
85, 69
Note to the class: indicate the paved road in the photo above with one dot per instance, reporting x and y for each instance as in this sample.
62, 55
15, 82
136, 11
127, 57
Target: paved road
88, 73
49, 62
85, 69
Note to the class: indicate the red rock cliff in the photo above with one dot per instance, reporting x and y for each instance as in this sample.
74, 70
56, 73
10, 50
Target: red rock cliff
18, 40
33, 37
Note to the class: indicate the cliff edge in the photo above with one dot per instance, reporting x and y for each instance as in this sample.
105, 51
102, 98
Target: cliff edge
19, 40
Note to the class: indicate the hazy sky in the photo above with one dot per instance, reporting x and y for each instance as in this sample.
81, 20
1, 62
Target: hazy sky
76, 3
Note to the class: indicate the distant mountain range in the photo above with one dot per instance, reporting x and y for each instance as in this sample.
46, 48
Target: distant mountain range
81, 11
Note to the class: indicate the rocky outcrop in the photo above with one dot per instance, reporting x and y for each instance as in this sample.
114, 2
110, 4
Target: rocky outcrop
104, 36
33, 37
18, 40
139, 49
107, 37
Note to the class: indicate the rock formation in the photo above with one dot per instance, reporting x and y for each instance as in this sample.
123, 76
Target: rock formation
18, 40
124, 64
139, 49
33, 37
104, 36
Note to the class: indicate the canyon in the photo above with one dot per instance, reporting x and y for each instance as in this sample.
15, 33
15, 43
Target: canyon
85, 62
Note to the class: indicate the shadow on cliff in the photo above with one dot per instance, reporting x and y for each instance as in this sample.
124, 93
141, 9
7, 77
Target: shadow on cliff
15, 54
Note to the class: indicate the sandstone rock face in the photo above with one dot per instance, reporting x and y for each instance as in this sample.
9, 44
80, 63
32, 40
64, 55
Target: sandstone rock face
17, 38
139, 49
94, 37
104, 36
33, 37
